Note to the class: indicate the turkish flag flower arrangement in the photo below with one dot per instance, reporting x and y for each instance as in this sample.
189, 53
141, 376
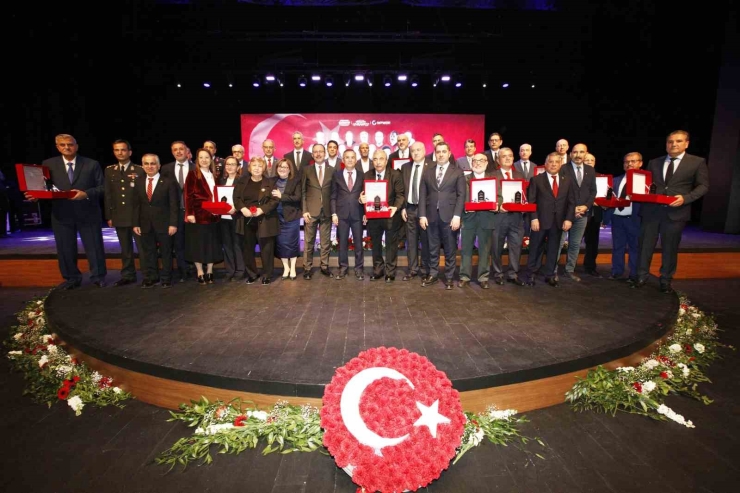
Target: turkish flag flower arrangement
391, 420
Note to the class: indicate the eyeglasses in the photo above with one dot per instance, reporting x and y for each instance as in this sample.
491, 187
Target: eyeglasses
480, 160
66, 145
628, 161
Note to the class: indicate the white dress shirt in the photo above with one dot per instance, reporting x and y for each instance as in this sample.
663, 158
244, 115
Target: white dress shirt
627, 211
675, 163
155, 179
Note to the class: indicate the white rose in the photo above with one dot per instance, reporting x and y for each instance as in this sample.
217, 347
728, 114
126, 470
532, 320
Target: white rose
14, 353
47, 338
651, 363
625, 369
32, 315
674, 348
696, 315
44, 359
699, 347
18, 336
648, 386
117, 390
261, 415
76, 404
52, 349
688, 332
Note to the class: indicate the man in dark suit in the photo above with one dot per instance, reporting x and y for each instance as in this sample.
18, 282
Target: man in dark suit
347, 212
494, 143
465, 163
403, 151
364, 162
72, 172
237, 150
594, 219
441, 203
316, 193
477, 224
179, 169
625, 224
388, 226
524, 165
412, 173
583, 180
432, 156
508, 226
156, 205
685, 177
333, 158
119, 207
210, 146
298, 156
268, 149
554, 194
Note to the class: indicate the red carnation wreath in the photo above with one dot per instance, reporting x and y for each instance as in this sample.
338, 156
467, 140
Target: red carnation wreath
391, 420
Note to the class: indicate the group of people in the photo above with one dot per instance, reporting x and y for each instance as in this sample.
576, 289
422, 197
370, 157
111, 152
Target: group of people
161, 210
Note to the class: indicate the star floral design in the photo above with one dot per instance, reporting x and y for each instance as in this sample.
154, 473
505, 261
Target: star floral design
430, 417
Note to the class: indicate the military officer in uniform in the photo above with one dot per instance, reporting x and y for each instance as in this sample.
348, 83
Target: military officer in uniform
119, 192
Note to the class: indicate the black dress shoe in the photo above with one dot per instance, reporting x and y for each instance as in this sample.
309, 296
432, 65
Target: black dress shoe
266, 280
307, 276
209, 278
499, 281
234, 279
666, 288
531, 283
359, 276
429, 281
462, 283
166, 285
325, 272
553, 281
123, 282
408, 277
375, 277
100, 284
593, 273
484, 285
573, 276
517, 281
638, 284
202, 280
68, 285
146, 284
449, 285
340, 276
612, 277
390, 279
251, 280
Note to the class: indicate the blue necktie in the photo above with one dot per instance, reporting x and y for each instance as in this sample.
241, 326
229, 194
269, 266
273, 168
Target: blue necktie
70, 173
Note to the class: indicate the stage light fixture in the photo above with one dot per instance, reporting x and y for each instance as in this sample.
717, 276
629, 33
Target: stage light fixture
179, 85
231, 85
414, 81
445, 78
329, 81
270, 78
458, 84
402, 77
485, 85
302, 81
387, 81
315, 77
436, 81
359, 77
532, 86
206, 85
506, 84
255, 81
369, 79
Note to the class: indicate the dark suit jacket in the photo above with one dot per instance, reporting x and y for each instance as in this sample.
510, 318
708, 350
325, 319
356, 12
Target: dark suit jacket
430, 157
315, 196
272, 172
394, 155
462, 163
291, 198
197, 191
119, 195
169, 170
161, 212
345, 203
305, 159
551, 210
268, 224
492, 163
586, 193
406, 172
526, 176
690, 180
636, 206
444, 201
88, 177
394, 188
485, 218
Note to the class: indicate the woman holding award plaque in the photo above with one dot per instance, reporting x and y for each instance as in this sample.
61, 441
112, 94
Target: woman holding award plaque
202, 238
288, 191
232, 241
253, 197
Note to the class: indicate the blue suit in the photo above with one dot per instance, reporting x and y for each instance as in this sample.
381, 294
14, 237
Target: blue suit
70, 216
625, 235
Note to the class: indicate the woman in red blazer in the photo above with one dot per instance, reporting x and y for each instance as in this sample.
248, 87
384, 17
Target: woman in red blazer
202, 238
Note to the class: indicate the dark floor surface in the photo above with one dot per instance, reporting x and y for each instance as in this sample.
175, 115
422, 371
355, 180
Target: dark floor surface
107, 450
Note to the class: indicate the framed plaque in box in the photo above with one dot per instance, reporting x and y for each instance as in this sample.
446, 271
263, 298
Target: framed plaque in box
224, 200
638, 188
514, 196
538, 170
397, 163
34, 180
482, 195
376, 194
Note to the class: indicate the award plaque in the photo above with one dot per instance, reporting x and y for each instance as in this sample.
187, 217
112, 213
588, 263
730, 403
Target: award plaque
376, 195
34, 179
515, 197
223, 201
640, 188
482, 195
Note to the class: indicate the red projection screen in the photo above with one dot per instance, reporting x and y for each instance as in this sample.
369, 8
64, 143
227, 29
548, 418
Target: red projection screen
377, 129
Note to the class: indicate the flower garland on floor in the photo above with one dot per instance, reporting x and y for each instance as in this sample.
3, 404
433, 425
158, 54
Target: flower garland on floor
235, 426
51, 374
676, 367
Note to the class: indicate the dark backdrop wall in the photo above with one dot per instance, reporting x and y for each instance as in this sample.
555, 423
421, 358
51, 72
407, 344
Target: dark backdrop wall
617, 77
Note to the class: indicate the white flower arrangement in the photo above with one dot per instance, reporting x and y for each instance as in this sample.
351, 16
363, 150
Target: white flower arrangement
648, 386
672, 415
699, 347
674, 348
76, 404
651, 363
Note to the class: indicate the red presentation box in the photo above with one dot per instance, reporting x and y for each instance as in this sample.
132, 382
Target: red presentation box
538, 170
32, 180
638, 185
514, 207
379, 209
603, 184
219, 208
487, 187
653, 198
509, 188
612, 203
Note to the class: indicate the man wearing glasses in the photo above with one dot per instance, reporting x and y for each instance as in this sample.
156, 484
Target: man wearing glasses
81, 213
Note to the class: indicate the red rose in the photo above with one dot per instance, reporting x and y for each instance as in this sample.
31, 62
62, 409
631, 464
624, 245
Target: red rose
663, 375
239, 421
688, 348
637, 386
692, 358
253, 210
74, 361
63, 393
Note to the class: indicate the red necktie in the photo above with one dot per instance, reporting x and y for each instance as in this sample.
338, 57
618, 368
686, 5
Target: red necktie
350, 183
269, 162
555, 185
149, 189
508, 175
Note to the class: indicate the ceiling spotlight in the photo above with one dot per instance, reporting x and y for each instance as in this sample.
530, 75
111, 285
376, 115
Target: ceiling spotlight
359, 77
458, 84
402, 77
445, 78
180, 85
414, 81
436, 81
231, 85
302, 81
315, 77
387, 81
206, 84
532, 86
270, 78
255, 81
506, 84
369, 80
329, 81
485, 85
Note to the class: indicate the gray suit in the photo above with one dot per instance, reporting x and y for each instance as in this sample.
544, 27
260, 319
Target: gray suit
464, 164
526, 176
317, 202
691, 181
